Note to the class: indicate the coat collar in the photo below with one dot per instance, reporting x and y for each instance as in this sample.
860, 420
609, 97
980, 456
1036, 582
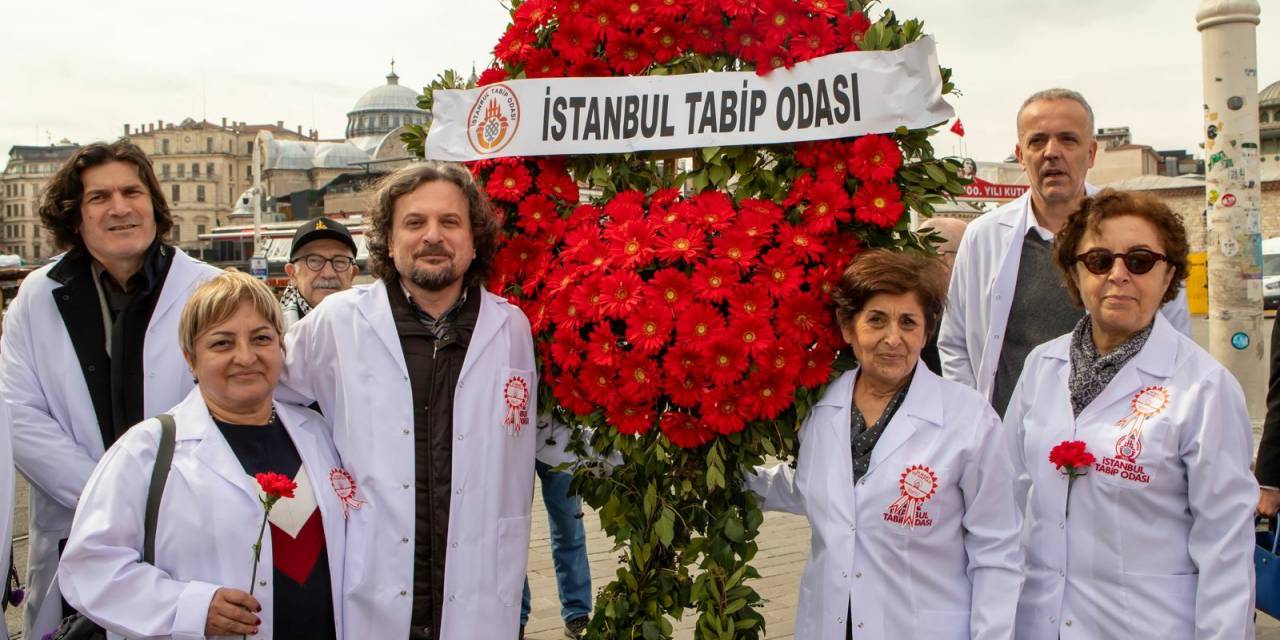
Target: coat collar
493, 317
1156, 360
921, 408
374, 304
1021, 216
181, 272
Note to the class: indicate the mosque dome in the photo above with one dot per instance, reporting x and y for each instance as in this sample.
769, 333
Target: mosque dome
385, 108
1270, 96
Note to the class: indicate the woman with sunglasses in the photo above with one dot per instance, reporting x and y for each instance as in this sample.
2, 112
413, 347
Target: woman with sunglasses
1153, 537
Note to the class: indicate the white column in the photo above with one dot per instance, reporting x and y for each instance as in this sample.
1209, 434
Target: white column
1233, 194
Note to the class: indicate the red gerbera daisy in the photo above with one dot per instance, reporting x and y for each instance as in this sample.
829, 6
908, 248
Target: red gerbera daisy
704, 34
815, 366
565, 312
767, 396
602, 347
491, 75
736, 247
629, 419
631, 243
828, 207
828, 8
590, 68
812, 38
696, 325
782, 274
878, 203
712, 280
627, 52
631, 14
750, 300
802, 315
509, 182
756, 218
683, 431
667, 38
544, 63
638, 379
628, 205
875, 158
574, 39
850, 29
649, 328
715, 209
515, 44
569, 392
738, 8
568, 348
742, 39
620, 294
726, 360
799, 243
783, 363
598, 383
682, 381
535, 212
753, 333
722, 410
670, 287
679, 241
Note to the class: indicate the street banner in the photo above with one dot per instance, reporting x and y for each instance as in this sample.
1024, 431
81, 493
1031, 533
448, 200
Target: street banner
835, 96
980, 189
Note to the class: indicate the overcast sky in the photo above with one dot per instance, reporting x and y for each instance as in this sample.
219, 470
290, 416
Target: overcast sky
80, 70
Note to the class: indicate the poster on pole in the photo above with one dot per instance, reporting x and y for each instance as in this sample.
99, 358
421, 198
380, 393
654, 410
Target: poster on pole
834, 96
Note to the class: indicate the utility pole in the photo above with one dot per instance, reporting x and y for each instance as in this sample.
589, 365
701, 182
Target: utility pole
1233, 192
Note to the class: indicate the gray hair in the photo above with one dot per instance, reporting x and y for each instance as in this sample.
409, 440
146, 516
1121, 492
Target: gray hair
1056, 94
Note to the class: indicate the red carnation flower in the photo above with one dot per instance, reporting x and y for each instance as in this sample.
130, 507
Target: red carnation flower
878, 203
509, 182
712, 280
535, 211
875, 158
275, 485
649, 328
684, 432
1072, 458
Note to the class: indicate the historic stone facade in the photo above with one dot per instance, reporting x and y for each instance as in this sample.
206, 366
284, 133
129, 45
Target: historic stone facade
21, 188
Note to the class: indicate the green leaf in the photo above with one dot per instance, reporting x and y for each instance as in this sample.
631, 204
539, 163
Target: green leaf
666, 526
650, 499
939, 176
710, 153
733, 528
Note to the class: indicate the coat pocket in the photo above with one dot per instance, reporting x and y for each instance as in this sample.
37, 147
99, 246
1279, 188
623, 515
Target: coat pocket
513, 558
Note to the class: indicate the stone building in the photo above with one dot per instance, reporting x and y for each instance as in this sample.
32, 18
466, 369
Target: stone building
21, 188
203, 168
1269, 123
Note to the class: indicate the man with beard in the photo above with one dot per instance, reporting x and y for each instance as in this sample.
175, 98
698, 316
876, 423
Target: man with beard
430, 383
1006, 295
90, 344
322, 261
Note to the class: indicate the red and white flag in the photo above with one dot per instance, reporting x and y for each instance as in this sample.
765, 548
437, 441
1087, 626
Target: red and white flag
958, 128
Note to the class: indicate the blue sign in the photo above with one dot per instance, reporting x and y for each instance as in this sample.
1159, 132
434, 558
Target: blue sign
258, 267
1240, 341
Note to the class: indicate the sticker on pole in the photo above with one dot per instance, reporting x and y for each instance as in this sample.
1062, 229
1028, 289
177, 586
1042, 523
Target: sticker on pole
1240, 341
1229, 200
258, 267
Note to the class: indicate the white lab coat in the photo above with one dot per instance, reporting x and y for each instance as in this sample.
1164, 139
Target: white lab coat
205, 531
983, 281
6, 488
956, 573
346, 355
56, 438
1162, 552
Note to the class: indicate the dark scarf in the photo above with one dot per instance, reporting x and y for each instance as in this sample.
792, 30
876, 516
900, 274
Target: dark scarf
1092, 372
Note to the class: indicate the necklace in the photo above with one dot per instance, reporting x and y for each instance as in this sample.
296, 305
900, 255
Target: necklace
271, 419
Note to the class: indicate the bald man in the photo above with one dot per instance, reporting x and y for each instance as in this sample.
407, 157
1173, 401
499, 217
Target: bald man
951, 230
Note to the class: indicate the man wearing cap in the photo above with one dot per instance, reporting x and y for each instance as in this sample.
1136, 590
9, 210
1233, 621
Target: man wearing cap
322, 261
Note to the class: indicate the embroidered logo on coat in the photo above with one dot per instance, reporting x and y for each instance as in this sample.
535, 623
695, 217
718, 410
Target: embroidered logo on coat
918, 483
1146, 403
344, 484
516, 394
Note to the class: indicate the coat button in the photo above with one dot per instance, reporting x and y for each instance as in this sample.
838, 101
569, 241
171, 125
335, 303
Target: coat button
459, 492
404, 592
451, 598
405, 485
92, 368
1068, 623
66, 297
839, 620
859, 625
844, 574
406, 431
460, 436
858, 574
454, 545
262, 583
404, 540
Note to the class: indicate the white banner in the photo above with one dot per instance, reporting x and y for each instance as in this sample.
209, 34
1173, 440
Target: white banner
835, 96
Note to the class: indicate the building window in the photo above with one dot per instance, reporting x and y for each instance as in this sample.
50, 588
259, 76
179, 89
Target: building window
164, 146
248, 173
200, 230
1264, 117
248, 147
164, 171
208, 169
199, 193
208, 145
176, 233
182, 171
177, 191
195, 169
37, 252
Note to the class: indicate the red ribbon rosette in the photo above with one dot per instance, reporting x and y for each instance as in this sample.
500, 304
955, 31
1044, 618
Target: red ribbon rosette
516, 395
918, 483
344, 484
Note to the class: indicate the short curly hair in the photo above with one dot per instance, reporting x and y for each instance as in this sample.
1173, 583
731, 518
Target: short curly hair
1110, 203
894, 272
63, 196
403, 181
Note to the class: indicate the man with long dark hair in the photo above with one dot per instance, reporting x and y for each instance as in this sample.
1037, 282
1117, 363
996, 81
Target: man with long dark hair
90, 342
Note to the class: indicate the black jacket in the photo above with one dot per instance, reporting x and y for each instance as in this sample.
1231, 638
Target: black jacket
1268, 466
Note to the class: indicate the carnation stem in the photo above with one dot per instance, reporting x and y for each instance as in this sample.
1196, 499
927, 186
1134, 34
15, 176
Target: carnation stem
257, 546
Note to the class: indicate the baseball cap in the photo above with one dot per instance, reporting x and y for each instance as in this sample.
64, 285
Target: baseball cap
318, 228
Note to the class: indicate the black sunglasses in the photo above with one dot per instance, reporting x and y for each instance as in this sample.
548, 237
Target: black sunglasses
1137, 262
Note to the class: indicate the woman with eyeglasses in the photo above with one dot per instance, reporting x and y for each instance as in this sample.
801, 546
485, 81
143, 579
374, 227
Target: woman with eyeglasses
322, 261
1152, 537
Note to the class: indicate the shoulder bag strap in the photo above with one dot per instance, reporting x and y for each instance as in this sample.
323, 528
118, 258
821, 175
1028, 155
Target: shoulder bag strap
159, 474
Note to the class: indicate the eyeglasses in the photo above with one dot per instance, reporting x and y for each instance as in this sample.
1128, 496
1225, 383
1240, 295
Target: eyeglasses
316, 263
1138, 261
